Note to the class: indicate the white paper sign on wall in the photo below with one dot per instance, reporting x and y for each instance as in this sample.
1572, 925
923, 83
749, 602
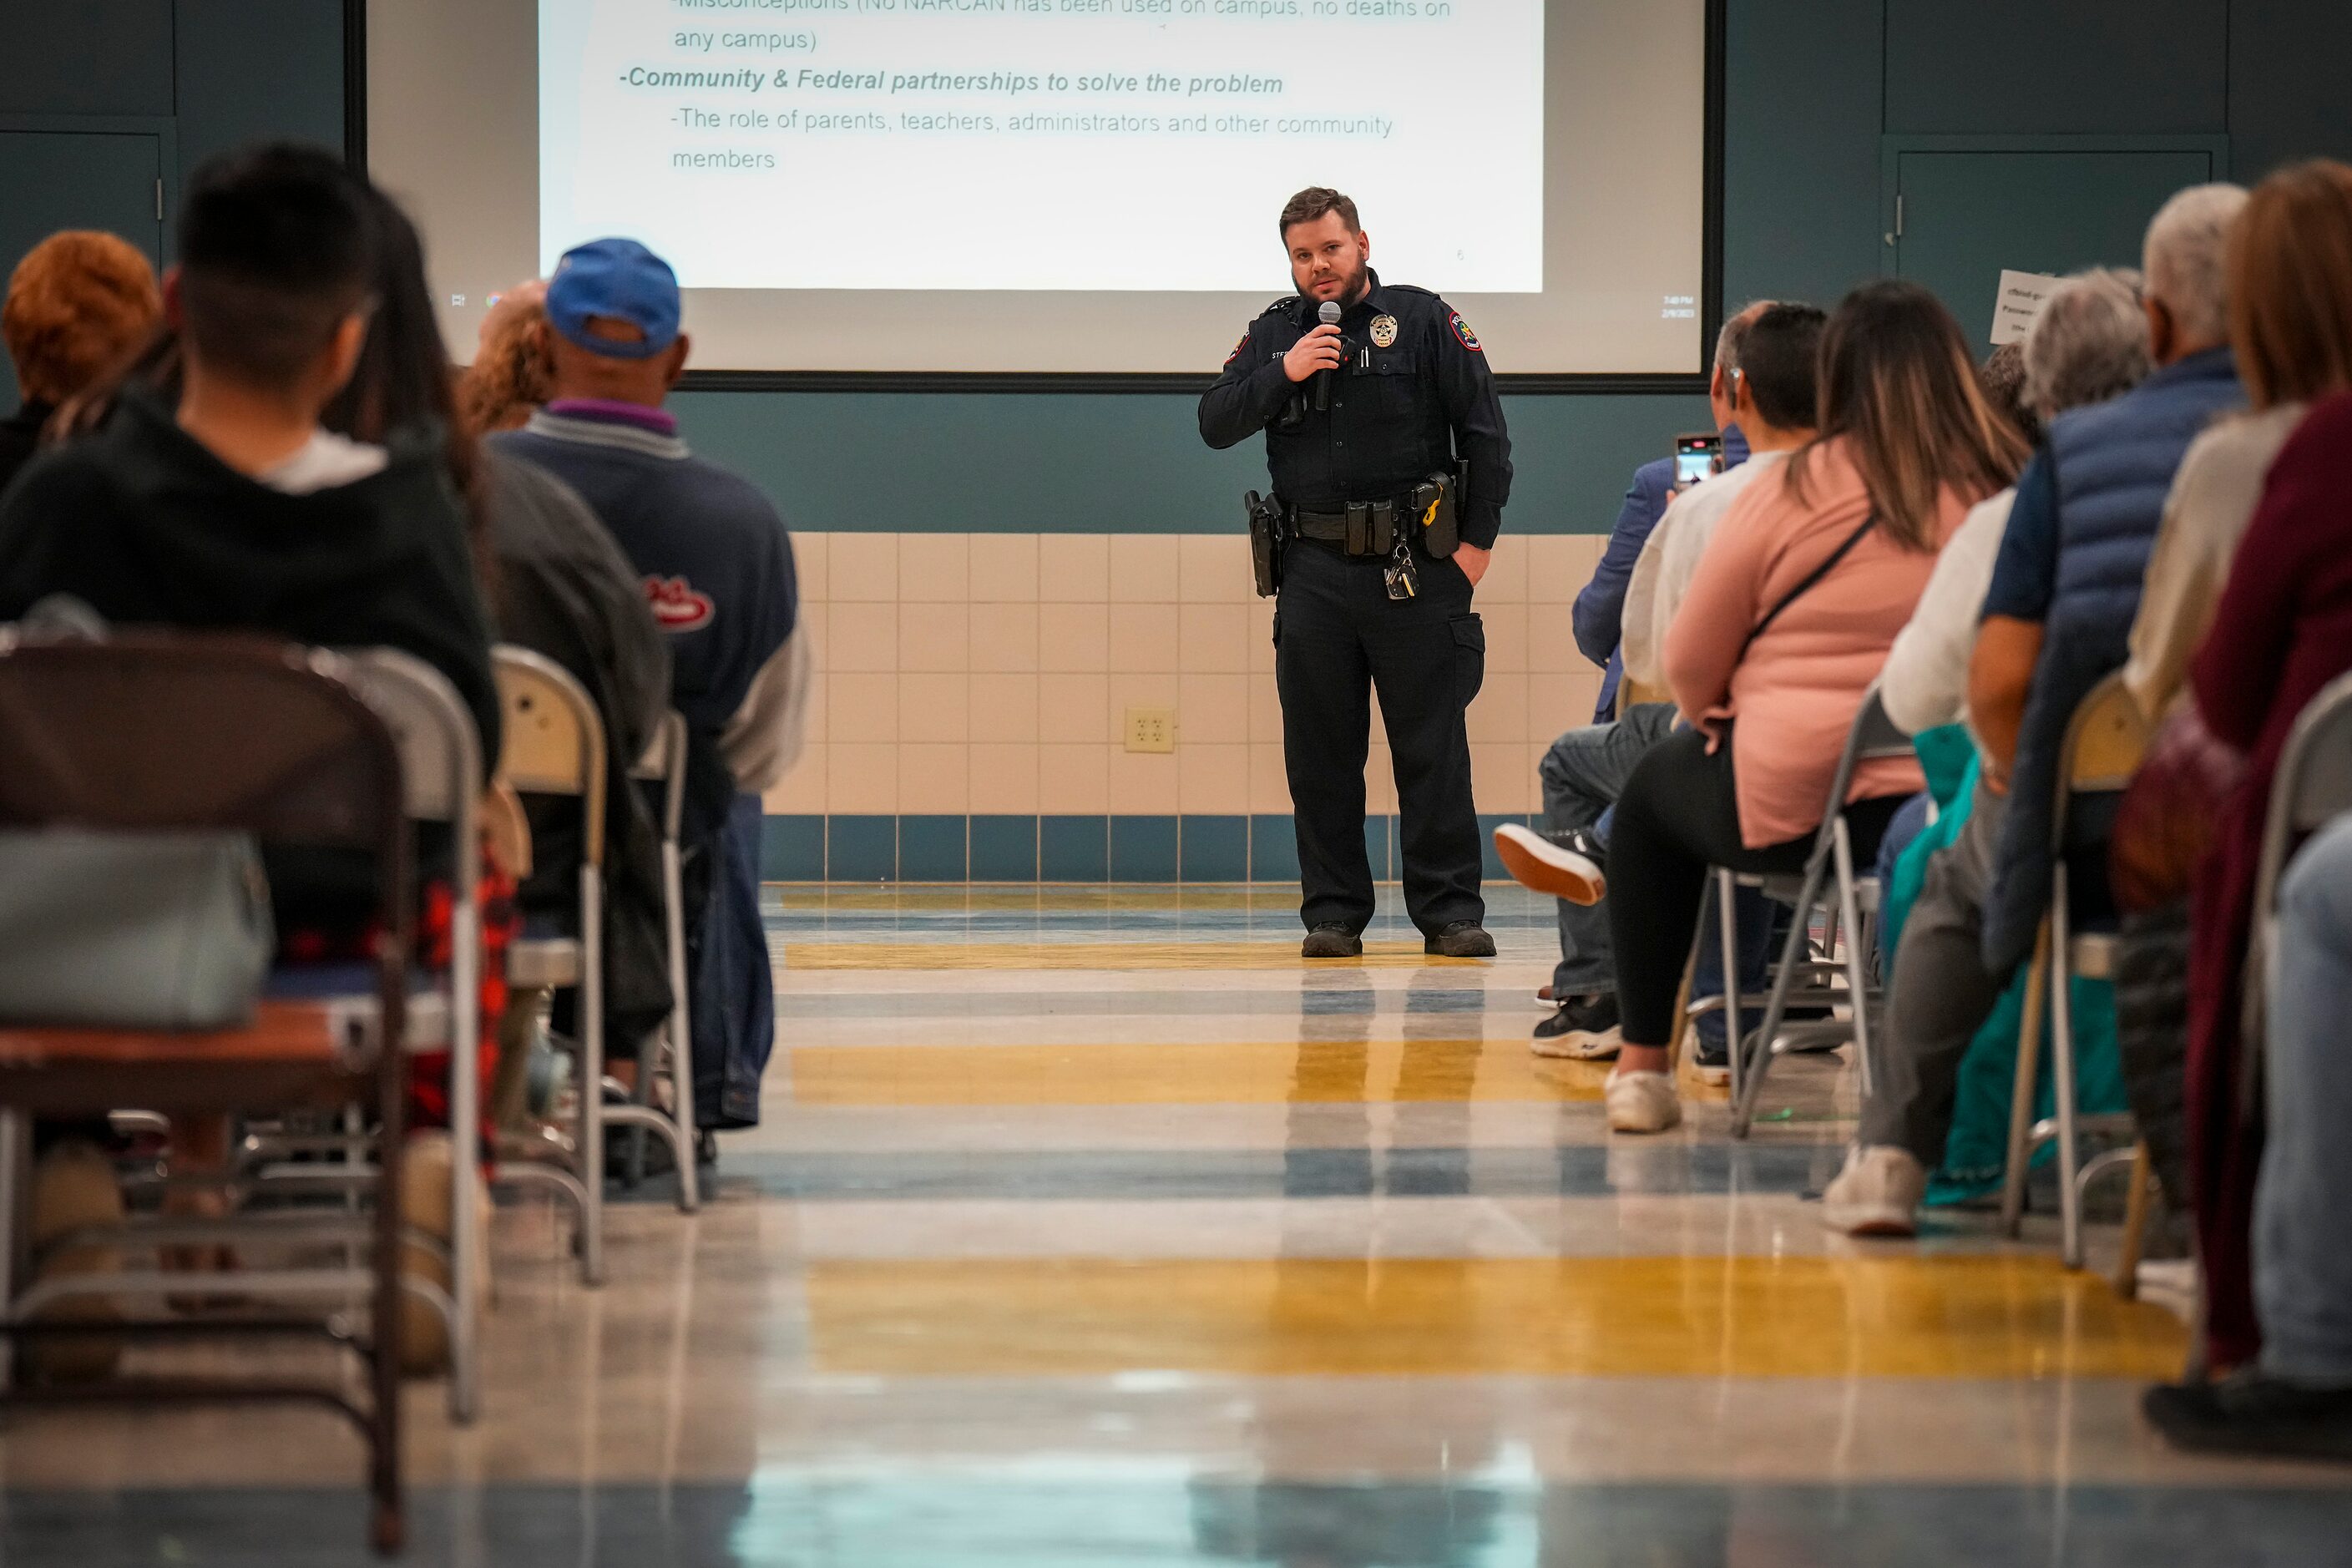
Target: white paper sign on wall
2018, 304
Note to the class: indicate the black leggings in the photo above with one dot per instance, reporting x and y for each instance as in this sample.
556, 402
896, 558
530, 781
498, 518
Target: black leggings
1678, 817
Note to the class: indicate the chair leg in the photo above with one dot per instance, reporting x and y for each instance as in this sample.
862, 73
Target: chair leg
14, 1151
466, 1145
386, 1528
2061, 1072
2136, 1212
1857, 982
2021, 1101
592, 1074
1727, 932
681, 1031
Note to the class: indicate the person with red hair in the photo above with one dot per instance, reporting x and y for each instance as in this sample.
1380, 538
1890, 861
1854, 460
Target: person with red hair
80, 304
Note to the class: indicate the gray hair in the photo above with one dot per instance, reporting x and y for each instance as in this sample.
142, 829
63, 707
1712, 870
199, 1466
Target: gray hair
2185, 258
2090, 342
1732, 342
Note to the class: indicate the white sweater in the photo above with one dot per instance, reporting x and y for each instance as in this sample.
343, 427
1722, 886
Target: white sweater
1926, 683
1670, 558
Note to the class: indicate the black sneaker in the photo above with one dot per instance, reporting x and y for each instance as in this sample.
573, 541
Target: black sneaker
1568, 865
2251, 1414
1463, 939
1331, 941
1585, 1029
1708, 1054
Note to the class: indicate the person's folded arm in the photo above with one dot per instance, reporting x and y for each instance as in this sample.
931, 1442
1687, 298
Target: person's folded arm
1723, 602
2016, 603
2000, 677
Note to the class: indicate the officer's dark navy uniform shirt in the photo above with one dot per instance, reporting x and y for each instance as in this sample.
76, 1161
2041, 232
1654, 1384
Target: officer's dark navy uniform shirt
1397, 413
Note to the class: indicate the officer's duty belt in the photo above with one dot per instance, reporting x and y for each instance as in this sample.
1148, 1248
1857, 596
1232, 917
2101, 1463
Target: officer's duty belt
1332, 526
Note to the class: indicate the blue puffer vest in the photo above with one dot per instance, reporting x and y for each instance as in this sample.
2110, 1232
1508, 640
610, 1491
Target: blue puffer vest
2114, 463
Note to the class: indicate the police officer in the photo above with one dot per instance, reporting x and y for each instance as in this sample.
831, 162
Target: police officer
1359, 417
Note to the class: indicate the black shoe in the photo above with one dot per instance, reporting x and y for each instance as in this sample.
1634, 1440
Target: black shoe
2251, 1414
1585, 1029
1331, 941
1568, 865
1463, 939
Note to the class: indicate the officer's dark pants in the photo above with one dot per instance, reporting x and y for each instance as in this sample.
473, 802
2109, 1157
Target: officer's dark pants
1338, 636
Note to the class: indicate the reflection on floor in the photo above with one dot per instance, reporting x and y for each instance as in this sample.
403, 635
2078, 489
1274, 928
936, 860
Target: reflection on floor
1090, 1227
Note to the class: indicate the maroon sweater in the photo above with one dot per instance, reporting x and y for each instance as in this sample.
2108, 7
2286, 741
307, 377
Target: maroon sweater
2283, 631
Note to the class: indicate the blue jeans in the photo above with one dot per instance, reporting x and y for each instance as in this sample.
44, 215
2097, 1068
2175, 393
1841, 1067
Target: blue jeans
2303, 1222
734, 990
1583, 774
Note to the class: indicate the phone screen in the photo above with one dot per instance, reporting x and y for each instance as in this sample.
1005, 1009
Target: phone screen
1694, 458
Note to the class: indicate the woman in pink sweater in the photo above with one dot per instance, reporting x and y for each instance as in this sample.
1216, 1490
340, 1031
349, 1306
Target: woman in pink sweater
1788, 620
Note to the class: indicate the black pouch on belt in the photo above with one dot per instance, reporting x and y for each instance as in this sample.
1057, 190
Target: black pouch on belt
1359, 528
1383, 528
1264, 513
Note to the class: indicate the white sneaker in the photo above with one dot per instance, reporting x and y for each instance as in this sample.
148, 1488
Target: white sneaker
1567, 866
1877, 1193
1641, 1101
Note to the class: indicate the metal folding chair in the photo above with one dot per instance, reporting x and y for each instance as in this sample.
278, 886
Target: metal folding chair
1873, 736
554, 745
2104, 742
161, 734
663, 764
2312, 787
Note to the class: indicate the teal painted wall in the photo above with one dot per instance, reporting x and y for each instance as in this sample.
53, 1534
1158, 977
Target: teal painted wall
1811, 86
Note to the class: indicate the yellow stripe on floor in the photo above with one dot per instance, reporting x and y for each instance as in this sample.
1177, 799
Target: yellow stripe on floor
1273, 953
1223, 1073
1980, 1316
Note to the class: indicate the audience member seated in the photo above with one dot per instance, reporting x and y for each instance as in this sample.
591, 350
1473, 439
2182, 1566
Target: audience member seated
79, 305
513, 372
228, 506
2089, 344
2290, 288
2282, 631
2295, 1400
2290, 294
2064, 587
559, 585
1586, 767
1599, 614
1787, 622
718, 567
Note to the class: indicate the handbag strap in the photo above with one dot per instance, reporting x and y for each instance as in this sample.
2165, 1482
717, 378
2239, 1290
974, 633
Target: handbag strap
1811, 579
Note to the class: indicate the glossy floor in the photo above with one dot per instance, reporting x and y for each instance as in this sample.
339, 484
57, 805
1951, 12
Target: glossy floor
1092, 1228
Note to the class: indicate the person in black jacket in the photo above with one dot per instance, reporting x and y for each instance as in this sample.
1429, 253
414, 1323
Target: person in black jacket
213, 497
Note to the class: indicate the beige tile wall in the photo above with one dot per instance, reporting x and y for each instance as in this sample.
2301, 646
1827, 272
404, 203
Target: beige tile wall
989, 674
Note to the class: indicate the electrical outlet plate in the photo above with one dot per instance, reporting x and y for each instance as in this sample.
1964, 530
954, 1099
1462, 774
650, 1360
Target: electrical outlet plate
1151, 729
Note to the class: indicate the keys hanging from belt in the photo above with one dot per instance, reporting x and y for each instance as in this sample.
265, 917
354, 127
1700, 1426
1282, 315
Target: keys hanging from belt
1402, 576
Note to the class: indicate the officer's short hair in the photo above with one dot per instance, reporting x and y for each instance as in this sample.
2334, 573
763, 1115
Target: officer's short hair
1315, 201
1781, 364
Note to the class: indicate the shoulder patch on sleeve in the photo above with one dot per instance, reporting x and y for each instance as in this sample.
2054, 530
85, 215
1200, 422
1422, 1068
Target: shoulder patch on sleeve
1462, 331
1237, 349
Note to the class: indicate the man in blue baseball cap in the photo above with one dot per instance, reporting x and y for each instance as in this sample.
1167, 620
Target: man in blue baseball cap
717, 568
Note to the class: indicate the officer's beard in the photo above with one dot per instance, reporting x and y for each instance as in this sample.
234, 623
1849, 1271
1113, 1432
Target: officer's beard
1354, 284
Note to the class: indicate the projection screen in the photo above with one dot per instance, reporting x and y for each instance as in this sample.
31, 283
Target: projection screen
1059, 185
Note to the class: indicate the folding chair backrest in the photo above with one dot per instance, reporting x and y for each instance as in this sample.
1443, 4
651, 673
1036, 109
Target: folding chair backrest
665, 763
553, 738
440, 754
2314, 783
1872, 737
2105, 740
190, 733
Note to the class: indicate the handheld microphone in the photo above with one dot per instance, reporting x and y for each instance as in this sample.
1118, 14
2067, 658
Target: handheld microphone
1328, 314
